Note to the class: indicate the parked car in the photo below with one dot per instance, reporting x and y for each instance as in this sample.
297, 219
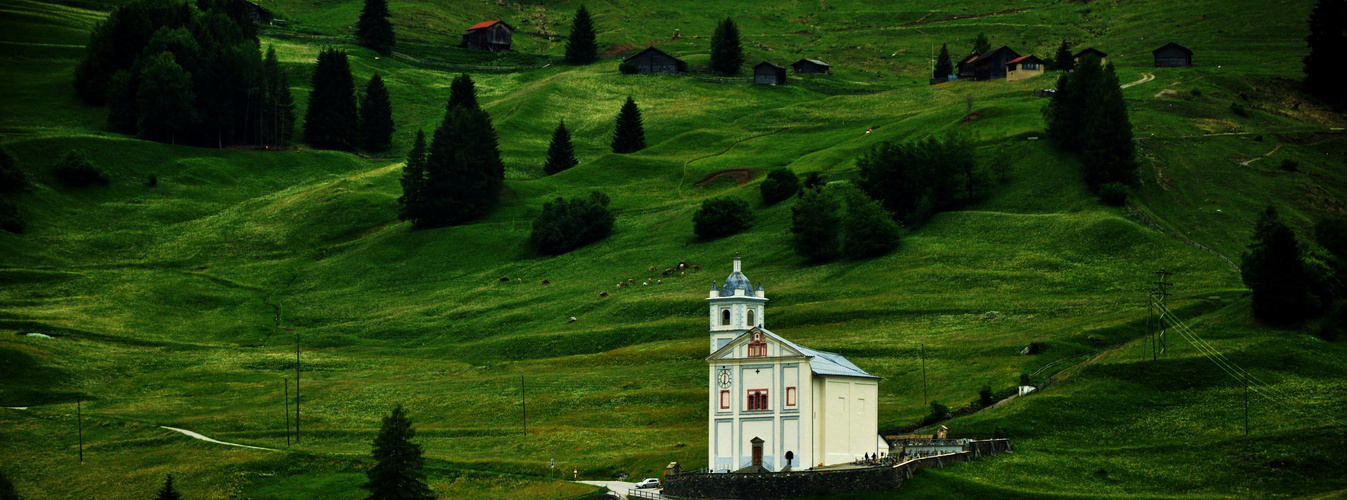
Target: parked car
648, 482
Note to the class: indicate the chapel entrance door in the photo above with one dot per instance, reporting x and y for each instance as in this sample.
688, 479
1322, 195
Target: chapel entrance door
757, 451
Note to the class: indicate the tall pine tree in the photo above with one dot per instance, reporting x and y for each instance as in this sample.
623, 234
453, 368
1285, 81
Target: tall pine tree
376, 115
727, 55
629, 135
399, 469
1326, 64
462, 92
411, 205
1106, 136
164, 99
464, 172
1272, 268
943, 65
981, 44
332, 121
580, 46
374, 29
560, 152
278, 105
1063, 60
167, 492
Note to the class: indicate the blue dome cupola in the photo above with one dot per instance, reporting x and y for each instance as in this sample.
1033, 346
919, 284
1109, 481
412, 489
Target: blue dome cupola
735, 306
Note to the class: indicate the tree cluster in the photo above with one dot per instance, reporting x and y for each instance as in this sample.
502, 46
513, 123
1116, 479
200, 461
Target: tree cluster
822, 230
566, 225
333, 121
373, 29
727, 55
982, 44
1291, 280
184, 72
74, 169
581, 47
721, 216
1087, 115
1326, 64
915, 179
458, 177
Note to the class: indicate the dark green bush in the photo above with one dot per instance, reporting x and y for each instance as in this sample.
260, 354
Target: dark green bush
152, 180
1239, 109
1289, 166
565, 225
1335, 323
628, 68
779, 185
1196, 92
938, 412
813, 181
1113, 193
76, 170
722, 216
1025, 379
985, 396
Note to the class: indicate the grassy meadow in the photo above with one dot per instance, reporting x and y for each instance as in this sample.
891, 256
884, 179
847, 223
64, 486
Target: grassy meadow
179, 305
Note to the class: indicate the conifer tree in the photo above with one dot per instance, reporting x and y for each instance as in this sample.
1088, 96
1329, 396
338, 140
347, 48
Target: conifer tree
463, 169
981, 44
376, 115
278, 105
727, 56
1272, 268
462, 92
332, 120
399, 469
560, 152
943, 66
164, 99
1326, 64
374, 29
1063, 60
1106, 136
629, 136
167, 492
816, 225
411, 205
580, 45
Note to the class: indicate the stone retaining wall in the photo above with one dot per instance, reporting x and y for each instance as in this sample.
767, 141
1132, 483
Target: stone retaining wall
800, 483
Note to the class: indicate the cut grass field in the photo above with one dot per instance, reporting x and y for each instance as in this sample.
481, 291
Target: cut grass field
179, 304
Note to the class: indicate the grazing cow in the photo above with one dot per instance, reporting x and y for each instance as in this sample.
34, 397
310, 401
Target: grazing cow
660, 282
504, 280
682, 266
645, 283
631, 280
572, 320
696, 267
521, 280
603, 294
667, 272
545, 282
652, 269
682, 275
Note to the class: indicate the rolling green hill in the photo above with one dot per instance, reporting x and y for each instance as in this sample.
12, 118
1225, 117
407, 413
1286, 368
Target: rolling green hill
179, 304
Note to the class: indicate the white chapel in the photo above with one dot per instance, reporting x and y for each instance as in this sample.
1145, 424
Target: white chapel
778, 405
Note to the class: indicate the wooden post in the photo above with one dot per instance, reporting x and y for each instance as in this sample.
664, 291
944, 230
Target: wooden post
1246, 403
79, 422
524, 402
287, 412
296, 387
923, 375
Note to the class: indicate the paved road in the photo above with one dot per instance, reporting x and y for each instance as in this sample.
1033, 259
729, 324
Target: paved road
619, 487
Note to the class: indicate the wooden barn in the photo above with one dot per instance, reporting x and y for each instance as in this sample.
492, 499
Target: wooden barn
653, 60
1023, 67
965, 67
1173, 55
992, 65
812, 66
1091, 51
769, 74
493, 35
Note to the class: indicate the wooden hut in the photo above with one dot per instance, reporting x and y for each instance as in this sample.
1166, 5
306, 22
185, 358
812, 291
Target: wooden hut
811, 66
1173, 55
493, 35
653, 60
1023, 67
1091, 51
992, 65
965, 67
769, 74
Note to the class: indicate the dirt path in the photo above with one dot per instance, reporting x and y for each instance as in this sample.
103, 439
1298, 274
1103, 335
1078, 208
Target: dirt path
1145, 77
1256, 158
204, 438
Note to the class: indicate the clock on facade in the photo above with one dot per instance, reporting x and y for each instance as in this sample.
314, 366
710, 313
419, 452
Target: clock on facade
724, 378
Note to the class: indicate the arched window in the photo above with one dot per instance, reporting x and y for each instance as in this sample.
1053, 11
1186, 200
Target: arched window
750, 318
725, 317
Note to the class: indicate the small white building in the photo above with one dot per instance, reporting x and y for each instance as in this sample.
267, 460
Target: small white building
778, 404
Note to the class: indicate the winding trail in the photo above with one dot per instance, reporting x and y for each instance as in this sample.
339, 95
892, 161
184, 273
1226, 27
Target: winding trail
1145, 77
216, 441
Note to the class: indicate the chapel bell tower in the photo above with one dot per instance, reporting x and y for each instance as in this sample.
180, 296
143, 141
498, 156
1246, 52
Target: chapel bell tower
735, 306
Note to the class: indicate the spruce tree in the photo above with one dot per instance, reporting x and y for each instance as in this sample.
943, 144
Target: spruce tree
463, 169
462, 92
164, 99
278, 105
332, 121
1106, 135
580, 45
399, 469
943, 65
411, 205
1326, 64
727, 56
376, 115
1273, 270
981, 44
374, 29
629, 136
816, 225
167, 492
560, 152
1063, 60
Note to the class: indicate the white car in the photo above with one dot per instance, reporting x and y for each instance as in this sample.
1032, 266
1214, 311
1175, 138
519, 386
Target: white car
648, 482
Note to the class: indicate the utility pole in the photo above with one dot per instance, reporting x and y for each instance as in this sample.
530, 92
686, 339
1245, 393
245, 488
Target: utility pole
1158, 297
296, 387
1246, 402
287, 412
524, 402
924, 397
79, 422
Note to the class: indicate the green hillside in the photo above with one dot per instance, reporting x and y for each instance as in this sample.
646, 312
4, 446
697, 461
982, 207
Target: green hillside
178, 305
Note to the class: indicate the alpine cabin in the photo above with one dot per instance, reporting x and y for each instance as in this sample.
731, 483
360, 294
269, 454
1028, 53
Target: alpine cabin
495, 36
769, 74
1173, 55
992, 65
653, 60
1091, 51
811, 66
1023, 67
